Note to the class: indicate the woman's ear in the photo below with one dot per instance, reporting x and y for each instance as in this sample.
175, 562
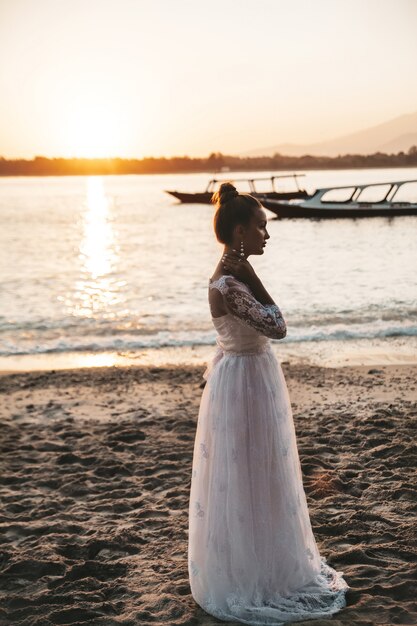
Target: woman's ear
238, 231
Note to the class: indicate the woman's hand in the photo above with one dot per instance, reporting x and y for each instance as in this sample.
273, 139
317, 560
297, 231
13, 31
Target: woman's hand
239, 268
243, 270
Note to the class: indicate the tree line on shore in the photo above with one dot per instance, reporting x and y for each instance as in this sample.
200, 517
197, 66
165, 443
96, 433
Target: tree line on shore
43, 166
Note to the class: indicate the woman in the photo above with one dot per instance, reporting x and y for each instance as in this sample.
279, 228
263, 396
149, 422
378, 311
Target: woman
252, 556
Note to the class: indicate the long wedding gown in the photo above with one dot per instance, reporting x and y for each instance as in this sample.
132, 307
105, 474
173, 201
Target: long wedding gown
252, 555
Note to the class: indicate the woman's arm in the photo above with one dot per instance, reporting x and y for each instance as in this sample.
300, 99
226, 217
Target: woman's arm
256, 307
259, 290
265, 318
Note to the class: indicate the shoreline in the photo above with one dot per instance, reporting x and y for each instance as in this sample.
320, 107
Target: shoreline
280, 167
330, 354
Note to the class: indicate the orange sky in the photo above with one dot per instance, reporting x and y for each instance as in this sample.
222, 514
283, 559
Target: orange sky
134, 78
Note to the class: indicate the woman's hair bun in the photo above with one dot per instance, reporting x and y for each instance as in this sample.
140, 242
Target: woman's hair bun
225, 193
232, 208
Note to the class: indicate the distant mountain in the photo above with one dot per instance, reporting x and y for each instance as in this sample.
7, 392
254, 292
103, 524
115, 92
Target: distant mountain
403, 142
396, 135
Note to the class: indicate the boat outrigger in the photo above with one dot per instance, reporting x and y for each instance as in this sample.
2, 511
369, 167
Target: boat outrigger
204, 197
353, 204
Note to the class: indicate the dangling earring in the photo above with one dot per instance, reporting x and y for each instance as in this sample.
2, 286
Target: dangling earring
242, 251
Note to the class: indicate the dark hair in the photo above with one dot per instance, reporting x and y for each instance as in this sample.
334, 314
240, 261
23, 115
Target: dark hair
232, 208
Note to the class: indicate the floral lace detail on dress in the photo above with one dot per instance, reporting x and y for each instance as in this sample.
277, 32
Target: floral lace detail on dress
321, 598
267, 319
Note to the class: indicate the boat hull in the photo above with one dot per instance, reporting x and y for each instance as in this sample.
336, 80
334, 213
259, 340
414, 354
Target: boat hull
205, 197
287, 210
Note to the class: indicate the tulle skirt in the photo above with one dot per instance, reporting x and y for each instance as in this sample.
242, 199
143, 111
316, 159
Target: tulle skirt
252, 555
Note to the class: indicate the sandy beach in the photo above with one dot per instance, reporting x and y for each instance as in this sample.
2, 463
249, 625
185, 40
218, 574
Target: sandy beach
95, 479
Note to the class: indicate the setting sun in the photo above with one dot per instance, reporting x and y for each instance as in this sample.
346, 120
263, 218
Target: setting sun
92, 128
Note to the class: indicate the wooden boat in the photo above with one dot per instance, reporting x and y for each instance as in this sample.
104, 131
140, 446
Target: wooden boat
353, 204
204, 197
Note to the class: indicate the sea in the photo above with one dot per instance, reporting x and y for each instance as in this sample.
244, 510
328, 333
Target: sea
98, 270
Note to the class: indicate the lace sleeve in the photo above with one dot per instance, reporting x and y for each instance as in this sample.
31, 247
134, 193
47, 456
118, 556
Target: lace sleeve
265, 318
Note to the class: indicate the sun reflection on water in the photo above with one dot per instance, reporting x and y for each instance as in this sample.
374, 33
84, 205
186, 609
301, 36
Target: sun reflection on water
97, 291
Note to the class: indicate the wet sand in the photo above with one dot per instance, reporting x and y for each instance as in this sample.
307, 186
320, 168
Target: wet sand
95, 478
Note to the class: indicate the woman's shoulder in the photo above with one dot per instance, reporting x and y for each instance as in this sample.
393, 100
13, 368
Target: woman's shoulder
225, 282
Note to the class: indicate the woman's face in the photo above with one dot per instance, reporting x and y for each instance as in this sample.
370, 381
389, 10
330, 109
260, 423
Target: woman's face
255, 235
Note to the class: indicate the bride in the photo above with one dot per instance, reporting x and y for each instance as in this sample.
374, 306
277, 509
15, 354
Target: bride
252, 555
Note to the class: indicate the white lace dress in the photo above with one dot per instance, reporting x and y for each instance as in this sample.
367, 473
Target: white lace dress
252, 556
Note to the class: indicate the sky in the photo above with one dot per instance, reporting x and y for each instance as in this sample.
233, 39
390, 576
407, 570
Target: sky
137, 78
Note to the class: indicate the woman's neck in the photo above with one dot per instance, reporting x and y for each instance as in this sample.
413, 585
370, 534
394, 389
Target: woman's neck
230, 249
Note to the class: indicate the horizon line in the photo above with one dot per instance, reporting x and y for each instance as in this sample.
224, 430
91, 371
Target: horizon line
212, 155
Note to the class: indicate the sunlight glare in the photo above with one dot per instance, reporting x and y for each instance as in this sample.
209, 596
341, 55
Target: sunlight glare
97, 291
98, 234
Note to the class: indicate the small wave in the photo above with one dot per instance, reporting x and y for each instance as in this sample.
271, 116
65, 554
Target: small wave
323, 334
165, 339
161, 340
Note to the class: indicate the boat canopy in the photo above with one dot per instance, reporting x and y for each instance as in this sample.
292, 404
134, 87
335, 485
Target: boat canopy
212, 183
354, 192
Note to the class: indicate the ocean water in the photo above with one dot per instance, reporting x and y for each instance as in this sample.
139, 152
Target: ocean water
113, 263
